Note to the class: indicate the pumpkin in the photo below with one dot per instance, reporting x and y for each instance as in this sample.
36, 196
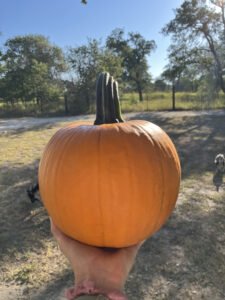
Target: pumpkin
111, 184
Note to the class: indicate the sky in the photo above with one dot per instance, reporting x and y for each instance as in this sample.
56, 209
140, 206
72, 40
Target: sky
69, 23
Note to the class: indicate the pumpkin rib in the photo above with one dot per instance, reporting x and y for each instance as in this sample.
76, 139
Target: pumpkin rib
99, 185
48, 154
132, 182
75, 134
157, 153
83, 131
162, 198
173, 154
90, 130
107, 131
57, 174
87, 195
138, 132
132, 178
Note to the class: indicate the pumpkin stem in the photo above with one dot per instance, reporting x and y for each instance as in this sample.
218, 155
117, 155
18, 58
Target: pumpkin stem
117, 102
107, 102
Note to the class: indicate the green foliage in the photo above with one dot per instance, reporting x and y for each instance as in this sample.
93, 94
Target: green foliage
152, 101
87, 62
32, 67
2, 68
155, 101
160, 85
133, 50
198, 35
208, 89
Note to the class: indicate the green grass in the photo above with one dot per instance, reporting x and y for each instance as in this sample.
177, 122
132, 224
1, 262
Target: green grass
129, 102
20, 109
163, 101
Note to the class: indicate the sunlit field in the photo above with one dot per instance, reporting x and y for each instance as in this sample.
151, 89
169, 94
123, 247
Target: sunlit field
163, 101
153, 101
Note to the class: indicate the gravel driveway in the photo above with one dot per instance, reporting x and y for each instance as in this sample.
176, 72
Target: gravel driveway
7, 125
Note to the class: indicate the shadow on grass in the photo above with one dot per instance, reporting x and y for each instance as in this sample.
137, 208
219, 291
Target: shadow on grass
20, 229
218, 180
56, 289
187, 254
197, 138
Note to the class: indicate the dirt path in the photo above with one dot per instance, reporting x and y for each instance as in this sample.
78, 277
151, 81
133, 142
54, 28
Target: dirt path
27, 123
7, 125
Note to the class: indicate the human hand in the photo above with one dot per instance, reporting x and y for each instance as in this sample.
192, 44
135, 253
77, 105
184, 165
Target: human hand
106, 268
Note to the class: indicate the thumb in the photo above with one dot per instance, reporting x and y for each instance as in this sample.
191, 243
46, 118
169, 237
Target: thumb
57, 233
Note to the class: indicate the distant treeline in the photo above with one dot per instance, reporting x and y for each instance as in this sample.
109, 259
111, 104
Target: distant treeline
34, 73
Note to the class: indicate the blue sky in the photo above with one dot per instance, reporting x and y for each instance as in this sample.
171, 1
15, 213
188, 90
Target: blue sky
69, 23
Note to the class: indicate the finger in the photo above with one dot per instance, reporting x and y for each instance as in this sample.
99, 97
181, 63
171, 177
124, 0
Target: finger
54, 229
135, 247
139, 245
63, 240
131, 251
58, 234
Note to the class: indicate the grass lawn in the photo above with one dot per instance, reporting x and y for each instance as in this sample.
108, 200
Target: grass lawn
152, 101
184, 260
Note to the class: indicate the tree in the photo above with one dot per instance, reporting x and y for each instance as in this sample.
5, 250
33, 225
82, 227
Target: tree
1, 65
32, 69
160, 85
172, 74
1, 61
87, 62
201, 28
134, 51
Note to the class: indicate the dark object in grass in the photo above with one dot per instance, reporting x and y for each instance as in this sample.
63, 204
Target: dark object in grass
220, 169
218, 179
220, 162
32, 191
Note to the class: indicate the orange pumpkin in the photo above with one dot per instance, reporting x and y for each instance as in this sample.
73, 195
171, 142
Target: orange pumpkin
111, 184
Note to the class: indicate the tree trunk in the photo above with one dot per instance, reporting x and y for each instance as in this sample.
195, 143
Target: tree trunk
66, 104
41, 105
217, 60
140, 92
88, 101
173, 96
223, 19
219, 71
